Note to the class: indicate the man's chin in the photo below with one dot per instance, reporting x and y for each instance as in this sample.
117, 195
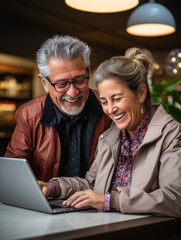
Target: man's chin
73, 111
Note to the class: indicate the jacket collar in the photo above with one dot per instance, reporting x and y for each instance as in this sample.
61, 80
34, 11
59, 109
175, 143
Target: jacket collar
94, 105
158, 121
111, 136
49, 113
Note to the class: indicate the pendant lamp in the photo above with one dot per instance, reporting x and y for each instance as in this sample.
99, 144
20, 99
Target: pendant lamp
151, 20
102, 6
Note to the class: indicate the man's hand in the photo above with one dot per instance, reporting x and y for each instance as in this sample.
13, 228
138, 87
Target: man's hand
86, 198
45, 187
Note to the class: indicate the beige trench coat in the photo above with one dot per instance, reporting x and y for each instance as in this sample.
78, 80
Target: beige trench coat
156, 171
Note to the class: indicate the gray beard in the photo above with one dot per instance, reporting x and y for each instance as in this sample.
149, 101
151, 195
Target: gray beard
75, 109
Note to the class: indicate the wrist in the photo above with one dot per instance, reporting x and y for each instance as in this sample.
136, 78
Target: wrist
53, 188
107, 202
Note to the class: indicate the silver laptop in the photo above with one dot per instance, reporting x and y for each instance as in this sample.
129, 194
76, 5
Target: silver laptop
19, 187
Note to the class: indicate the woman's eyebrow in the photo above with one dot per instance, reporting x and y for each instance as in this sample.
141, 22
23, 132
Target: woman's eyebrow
120, 94
101, 98
114, 95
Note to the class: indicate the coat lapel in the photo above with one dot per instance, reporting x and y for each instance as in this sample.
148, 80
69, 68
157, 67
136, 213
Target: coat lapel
157, 123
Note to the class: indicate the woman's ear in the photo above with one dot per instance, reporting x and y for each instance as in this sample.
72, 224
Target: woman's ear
43, 82
142, 93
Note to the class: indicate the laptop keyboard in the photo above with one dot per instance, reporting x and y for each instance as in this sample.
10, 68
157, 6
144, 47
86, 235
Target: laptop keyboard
58, 204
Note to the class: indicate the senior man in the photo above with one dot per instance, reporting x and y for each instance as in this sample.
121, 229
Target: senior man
58, 132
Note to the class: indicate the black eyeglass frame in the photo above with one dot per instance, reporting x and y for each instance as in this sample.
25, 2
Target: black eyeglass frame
69, 82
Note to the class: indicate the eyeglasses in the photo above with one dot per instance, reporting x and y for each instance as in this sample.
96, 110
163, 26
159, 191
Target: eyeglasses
64, 85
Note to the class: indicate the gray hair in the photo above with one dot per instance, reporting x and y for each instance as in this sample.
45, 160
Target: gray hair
64, 48
131, 69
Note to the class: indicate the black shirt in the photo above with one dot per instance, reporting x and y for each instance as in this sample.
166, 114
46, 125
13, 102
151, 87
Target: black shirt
76, 135
73, 136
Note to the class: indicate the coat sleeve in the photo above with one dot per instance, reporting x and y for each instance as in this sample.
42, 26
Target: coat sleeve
166, 198
20, 145
69, 185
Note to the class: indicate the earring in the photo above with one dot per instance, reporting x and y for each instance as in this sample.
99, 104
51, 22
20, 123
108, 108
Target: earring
141, 108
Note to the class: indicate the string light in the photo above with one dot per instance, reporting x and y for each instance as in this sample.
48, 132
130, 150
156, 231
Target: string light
173, 62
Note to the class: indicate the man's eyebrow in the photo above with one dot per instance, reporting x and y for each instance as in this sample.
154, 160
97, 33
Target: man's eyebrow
66, 80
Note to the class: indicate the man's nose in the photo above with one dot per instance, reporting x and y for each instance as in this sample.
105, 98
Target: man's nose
73, 91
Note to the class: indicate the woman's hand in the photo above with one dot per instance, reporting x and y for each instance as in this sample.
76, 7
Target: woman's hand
45, 187
86, 198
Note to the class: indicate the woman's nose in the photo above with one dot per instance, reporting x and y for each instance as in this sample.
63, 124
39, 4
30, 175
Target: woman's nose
111, 108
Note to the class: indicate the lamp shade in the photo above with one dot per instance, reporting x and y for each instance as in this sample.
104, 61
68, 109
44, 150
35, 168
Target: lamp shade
102, 6
151, 19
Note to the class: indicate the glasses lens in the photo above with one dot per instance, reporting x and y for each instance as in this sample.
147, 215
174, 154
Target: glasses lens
80, 83
61, 86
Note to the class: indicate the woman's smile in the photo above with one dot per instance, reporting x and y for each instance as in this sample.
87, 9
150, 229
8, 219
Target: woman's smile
118, 117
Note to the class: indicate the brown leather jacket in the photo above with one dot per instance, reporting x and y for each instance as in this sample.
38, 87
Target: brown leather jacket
36, 140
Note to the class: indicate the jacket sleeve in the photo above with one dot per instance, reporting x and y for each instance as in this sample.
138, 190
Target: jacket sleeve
166, 198
66, 186
20, 145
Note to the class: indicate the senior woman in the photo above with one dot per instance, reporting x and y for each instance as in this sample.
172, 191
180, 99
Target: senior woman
137, 166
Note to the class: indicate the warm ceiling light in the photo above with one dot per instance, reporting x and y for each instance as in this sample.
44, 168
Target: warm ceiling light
151, 20
102, 6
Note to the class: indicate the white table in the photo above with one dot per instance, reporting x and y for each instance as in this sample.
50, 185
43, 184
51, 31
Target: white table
18, 223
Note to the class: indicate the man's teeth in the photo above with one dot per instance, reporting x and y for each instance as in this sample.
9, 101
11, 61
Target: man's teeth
72, 100
119, 116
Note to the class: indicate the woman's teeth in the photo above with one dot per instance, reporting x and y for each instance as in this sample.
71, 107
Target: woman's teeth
119, 116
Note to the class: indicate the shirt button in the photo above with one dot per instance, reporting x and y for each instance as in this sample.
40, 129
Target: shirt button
72, 143
73, 159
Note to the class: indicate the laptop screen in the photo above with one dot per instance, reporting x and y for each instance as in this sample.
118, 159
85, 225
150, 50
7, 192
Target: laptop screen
20, 188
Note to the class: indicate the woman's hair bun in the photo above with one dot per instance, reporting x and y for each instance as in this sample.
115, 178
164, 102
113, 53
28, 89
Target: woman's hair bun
140, 57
